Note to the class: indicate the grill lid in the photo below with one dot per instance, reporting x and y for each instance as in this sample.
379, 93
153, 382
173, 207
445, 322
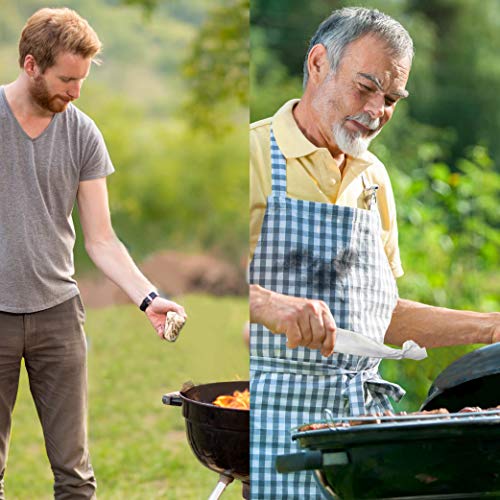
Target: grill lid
472, 380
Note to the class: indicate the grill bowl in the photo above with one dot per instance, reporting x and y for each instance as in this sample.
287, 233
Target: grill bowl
219, 437
431, 459
416, 458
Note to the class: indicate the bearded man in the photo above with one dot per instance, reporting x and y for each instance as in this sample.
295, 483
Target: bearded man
51, 155
324, 240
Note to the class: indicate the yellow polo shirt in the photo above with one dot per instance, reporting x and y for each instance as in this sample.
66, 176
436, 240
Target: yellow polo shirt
313, 175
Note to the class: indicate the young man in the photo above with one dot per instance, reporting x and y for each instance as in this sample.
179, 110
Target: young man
325, 248
51, 155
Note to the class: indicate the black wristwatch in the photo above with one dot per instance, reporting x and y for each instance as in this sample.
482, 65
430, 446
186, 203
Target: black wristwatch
147, 300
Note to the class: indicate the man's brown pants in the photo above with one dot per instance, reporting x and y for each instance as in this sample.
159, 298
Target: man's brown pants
53, 345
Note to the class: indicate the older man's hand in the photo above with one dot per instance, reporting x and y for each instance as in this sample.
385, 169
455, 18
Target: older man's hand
305, 322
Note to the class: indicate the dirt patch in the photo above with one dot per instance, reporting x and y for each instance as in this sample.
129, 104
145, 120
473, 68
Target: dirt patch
175, 437
174, 274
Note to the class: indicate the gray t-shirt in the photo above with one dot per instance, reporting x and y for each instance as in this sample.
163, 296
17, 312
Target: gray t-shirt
38, 186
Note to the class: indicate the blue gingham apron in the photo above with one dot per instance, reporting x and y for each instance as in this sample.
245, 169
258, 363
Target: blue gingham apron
331, 253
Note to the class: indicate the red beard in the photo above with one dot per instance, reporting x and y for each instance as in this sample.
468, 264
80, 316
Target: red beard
40, 95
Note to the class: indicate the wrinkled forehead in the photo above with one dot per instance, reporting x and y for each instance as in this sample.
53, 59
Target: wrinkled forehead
371, 55
377, 42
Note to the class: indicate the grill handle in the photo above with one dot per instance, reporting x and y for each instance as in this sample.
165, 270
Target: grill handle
309, 460
172, 399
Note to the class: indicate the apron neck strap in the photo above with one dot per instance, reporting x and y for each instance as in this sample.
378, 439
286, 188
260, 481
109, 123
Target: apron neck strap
278, 169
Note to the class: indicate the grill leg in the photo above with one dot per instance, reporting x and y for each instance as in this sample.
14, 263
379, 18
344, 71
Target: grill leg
220, 487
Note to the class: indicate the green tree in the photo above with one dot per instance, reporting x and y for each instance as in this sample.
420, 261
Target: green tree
217, 69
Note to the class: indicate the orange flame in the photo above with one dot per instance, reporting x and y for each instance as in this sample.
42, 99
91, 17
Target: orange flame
239, 400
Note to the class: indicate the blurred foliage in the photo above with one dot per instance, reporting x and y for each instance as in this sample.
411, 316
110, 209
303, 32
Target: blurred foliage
217, 70
440, 148
147, 5
174, 187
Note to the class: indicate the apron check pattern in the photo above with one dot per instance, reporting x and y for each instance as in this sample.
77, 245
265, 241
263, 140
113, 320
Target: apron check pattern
325, 252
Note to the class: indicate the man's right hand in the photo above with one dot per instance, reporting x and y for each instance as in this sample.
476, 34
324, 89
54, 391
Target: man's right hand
305, 322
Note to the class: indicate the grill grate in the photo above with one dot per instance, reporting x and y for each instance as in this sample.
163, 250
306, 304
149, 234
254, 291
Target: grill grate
401, 418
344, 424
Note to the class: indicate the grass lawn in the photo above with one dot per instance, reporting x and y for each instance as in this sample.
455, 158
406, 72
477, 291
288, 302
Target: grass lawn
138, 445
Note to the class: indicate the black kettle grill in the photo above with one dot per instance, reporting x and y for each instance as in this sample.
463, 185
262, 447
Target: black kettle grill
219, 437
438, 456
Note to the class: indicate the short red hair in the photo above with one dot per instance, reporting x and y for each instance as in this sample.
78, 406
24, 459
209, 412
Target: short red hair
48, 32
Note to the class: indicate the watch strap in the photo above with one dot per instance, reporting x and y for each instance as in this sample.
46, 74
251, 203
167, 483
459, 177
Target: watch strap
147, 300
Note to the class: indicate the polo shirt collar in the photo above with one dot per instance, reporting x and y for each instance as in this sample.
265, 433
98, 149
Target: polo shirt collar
292, 142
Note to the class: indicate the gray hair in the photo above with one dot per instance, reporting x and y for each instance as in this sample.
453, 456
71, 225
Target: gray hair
346, 25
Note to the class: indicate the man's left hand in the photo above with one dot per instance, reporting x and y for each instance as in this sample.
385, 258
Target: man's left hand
157, 310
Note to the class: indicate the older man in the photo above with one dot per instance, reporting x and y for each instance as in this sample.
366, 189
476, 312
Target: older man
51, 155
325, 245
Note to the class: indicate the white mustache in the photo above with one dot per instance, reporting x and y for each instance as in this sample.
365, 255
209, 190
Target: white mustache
364, 119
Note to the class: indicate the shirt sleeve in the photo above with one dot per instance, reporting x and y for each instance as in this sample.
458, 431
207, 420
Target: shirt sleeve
260, 182
390, 226
392, 251
95, 161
